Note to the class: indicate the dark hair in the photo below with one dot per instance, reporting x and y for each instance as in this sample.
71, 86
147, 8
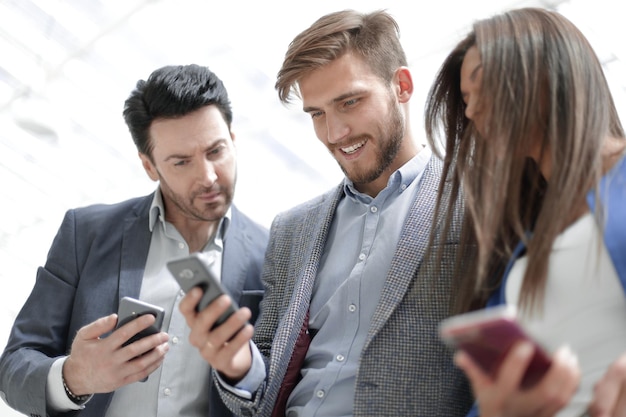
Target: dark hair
375, 37
170, 92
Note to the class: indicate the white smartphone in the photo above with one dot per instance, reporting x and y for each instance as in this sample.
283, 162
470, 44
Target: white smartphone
193, 271
131, 308
487, 335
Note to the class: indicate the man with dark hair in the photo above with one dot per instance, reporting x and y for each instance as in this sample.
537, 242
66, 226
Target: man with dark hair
64, 353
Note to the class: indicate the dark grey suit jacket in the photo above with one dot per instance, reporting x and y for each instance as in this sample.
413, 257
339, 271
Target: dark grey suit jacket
404, 368
97, 257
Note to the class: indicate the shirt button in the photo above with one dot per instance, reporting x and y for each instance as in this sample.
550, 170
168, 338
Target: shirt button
373, 209
403, 187
320, 394
181, 245
351, 308
167, 392
175, 340
340, 358
362, 256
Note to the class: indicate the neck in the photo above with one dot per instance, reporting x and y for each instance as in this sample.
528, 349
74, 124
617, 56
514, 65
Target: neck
197, 233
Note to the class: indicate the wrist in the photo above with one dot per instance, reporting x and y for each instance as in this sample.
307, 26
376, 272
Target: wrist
75, 398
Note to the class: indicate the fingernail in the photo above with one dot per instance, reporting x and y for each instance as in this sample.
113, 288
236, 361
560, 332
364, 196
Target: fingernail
525, 349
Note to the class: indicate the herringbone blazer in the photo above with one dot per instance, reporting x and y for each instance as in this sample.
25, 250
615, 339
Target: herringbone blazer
404, 369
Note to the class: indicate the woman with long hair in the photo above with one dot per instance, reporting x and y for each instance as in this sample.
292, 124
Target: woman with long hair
523, 117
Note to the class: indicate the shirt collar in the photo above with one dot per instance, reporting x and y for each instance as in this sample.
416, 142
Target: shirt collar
400, 180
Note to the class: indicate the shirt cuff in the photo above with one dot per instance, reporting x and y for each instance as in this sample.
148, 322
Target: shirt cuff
253, 379
57, 399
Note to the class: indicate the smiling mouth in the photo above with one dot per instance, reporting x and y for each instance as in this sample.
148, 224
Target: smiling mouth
352, 149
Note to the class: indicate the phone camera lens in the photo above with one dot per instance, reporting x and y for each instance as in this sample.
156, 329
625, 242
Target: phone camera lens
186, 273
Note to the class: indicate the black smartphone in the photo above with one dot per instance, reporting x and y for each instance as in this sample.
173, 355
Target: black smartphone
194, 271
131, 308
488, 334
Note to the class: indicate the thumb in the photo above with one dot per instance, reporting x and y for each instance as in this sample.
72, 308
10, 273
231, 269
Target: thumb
98, 328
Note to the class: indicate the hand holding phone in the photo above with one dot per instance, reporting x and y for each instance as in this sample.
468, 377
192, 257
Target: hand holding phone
193, 271
131, 308
487, 336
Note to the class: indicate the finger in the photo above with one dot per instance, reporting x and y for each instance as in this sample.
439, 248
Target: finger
607, 393
142, 346
206, 319
620, 408
142, 366
97, 328
221, 345
130, 329
514, 366
234, 358
559, 384
475, 374
188, 304
237, 341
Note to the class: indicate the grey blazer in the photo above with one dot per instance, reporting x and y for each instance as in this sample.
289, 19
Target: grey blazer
404, 369
97, 257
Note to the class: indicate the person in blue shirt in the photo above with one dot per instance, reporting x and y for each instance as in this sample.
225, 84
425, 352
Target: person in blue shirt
534, 145
348, 326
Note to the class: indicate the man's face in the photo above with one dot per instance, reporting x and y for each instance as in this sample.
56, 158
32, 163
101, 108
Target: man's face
358, 117
195, 162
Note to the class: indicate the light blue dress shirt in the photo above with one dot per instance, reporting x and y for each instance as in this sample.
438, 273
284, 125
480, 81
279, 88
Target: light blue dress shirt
353, 268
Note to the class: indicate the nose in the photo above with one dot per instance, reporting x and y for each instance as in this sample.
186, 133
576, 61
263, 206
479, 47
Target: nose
206, 174
471, 109
337, 129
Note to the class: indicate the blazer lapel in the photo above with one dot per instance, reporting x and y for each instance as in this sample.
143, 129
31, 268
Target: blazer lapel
411, 249
233, 271
135, 246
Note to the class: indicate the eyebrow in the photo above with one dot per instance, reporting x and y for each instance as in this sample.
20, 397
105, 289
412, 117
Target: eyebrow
184, 156
475, 71
338, 99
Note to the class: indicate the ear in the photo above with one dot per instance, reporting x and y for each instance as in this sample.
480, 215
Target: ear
232, 136
149, 167
404, 84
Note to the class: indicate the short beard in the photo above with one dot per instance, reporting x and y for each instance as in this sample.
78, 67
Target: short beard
213, 214
389, 148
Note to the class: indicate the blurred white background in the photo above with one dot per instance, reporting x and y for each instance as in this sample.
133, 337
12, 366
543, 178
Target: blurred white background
66, 67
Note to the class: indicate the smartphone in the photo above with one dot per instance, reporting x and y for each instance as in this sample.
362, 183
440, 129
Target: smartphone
487, 336
194, 271
131, 308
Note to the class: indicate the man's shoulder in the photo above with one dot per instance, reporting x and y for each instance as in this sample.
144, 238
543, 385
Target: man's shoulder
251, 225
329, 197
316, 206
102, 211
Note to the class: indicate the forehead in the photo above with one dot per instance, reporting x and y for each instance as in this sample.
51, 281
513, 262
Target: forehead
470, 67
200, 127
343, 75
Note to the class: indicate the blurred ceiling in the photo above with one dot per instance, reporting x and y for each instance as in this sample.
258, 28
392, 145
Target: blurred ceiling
66, 67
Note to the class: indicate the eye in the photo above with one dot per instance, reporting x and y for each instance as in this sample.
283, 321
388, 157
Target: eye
316, 114
181, 163
351, 102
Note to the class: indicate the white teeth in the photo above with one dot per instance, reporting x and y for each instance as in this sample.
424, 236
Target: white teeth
353, 148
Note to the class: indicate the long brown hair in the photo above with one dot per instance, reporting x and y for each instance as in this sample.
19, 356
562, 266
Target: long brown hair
540, 77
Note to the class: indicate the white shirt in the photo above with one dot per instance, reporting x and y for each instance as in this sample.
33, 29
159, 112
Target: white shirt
584, 305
